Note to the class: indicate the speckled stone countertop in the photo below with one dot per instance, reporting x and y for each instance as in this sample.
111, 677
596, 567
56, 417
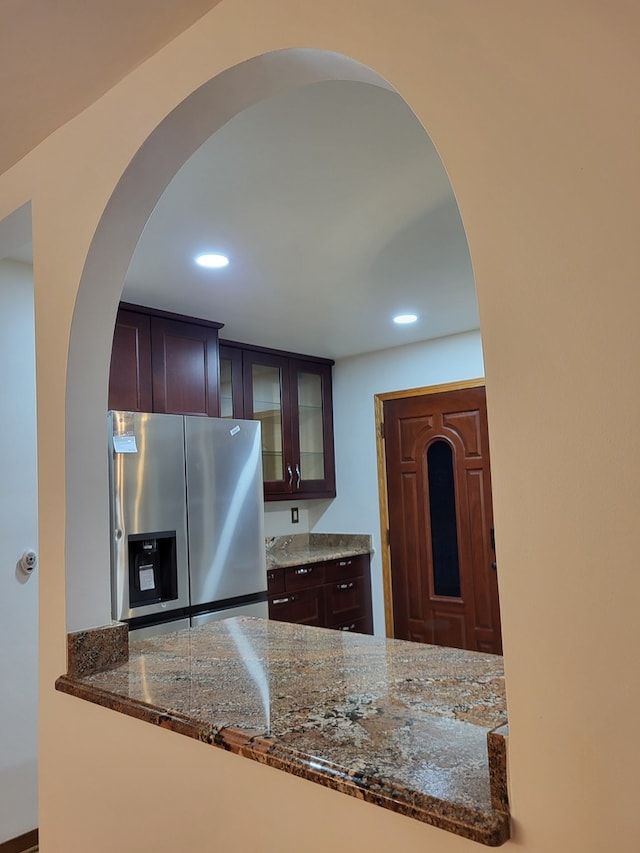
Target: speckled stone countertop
301, 549
405, 726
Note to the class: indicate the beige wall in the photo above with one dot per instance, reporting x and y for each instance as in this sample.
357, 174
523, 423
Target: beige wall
532, 107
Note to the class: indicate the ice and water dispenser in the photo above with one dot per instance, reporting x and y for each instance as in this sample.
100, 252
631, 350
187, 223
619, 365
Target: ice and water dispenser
153, 571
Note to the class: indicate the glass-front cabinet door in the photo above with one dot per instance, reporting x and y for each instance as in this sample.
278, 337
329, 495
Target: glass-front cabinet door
231, 401
226, 388
267, 399
292, 400
312, 428
267, 408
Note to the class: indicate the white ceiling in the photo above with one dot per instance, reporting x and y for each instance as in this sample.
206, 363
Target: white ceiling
336, 213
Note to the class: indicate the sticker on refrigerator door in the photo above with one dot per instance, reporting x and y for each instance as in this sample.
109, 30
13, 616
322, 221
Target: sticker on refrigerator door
235, 430
146, 578
125, 444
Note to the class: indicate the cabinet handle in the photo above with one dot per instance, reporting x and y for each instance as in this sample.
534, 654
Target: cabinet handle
304, 571
348, 627
345, 585
298, 476
283, 600
344, 563
290, 473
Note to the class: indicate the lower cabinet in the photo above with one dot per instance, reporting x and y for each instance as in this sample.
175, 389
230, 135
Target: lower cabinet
331, 594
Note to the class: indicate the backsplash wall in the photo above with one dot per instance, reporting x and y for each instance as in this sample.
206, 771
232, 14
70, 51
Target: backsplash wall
277, 518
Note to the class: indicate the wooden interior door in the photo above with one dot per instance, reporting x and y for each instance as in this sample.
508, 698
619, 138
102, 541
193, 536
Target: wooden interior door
443, 569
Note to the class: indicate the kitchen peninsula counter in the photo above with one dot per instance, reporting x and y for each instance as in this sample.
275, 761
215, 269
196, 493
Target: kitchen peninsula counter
417, 729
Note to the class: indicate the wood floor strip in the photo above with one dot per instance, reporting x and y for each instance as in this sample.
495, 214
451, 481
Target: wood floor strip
27, 843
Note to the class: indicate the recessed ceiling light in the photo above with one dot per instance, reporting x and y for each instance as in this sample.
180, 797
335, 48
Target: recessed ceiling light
212, 262
402, 319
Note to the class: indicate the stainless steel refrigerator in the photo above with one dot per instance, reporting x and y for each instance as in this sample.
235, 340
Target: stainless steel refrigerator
187, 523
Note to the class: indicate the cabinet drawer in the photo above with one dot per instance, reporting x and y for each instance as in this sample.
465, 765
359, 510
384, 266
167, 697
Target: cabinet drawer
275, 581
302, 577
347, 567
345, 601
358, 626
304, 608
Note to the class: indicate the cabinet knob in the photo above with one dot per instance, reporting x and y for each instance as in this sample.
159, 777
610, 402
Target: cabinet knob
303, 571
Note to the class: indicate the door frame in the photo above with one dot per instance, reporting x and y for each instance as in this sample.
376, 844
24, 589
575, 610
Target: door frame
379, 401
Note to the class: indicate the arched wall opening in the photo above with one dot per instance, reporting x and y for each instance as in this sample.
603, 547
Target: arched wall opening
529, 146
142, 184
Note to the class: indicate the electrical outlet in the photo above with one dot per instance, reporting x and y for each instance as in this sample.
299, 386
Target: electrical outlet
294, 515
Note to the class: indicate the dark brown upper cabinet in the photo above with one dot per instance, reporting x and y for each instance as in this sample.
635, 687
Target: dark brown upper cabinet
163, 362
231, 394
291, 397
130, 384
184, 358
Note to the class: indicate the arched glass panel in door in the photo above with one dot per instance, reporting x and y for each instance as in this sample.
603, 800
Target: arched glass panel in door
444, 522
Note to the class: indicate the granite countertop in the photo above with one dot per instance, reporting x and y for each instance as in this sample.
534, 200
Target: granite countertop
414, 728
301, 549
